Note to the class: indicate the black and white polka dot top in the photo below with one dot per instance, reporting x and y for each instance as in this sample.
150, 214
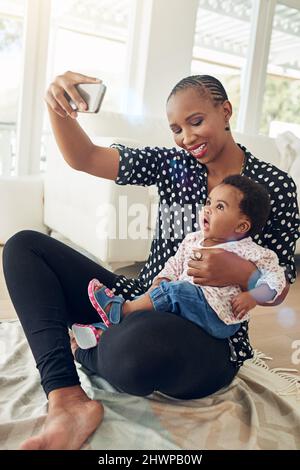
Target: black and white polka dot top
182, 187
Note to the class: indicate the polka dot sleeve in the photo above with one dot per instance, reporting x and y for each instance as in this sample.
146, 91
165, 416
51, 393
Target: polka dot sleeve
283, 230
139, 166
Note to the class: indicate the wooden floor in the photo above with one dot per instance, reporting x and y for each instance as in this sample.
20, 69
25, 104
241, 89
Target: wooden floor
273, 330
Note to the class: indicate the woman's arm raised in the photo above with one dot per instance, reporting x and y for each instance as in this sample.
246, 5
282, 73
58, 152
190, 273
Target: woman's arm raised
75, 145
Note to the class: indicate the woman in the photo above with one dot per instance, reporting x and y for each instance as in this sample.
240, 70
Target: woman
47, 280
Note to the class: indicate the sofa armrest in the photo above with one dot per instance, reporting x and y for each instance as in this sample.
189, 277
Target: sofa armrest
109, 221
21, 205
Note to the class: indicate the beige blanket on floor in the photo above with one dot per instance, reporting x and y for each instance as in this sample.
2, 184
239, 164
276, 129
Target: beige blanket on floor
260, 410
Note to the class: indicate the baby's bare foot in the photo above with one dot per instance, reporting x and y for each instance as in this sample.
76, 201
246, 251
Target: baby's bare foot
74, 345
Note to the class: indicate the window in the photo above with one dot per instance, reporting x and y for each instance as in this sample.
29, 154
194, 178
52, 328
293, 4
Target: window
282, 89
11, 31
90, 37
220, 47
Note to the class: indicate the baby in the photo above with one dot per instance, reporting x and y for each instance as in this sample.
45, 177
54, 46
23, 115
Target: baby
235, 209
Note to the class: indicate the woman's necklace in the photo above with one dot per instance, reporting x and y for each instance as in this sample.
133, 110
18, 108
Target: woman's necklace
243, 165
241, 173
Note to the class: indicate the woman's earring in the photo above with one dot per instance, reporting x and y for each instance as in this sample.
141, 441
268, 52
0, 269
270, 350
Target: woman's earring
227, 128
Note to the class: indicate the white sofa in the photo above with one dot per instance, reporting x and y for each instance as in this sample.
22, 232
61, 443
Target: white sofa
73, 200
21, 205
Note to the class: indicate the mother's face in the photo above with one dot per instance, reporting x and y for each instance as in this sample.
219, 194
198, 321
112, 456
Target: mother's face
197, 125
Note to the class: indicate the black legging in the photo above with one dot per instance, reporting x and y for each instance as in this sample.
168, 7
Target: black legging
146, 352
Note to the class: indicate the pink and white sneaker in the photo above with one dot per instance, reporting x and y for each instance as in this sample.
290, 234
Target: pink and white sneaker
101, 297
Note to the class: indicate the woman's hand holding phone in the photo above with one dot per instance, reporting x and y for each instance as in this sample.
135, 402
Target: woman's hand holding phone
63, 87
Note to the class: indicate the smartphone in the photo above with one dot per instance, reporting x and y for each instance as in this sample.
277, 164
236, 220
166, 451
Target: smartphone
92, 94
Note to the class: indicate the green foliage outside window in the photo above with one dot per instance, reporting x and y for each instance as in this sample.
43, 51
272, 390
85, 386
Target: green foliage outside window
281, 100
10, 33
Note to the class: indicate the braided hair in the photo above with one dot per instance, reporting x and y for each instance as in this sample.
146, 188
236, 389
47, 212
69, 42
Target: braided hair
206, 85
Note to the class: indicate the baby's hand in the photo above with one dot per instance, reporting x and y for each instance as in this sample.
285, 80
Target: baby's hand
241, 304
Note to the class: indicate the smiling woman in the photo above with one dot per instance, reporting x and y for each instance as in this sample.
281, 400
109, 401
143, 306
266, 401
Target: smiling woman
151, 345
200, 131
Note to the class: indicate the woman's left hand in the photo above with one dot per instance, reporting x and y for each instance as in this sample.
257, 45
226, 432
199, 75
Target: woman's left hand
218, 267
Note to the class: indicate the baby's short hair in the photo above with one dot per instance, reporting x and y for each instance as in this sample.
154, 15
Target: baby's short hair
255, 203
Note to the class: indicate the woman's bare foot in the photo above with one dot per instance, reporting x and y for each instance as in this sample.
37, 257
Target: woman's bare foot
71, 420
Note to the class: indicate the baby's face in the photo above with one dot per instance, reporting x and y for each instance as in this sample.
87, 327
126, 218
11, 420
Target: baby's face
221, 216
